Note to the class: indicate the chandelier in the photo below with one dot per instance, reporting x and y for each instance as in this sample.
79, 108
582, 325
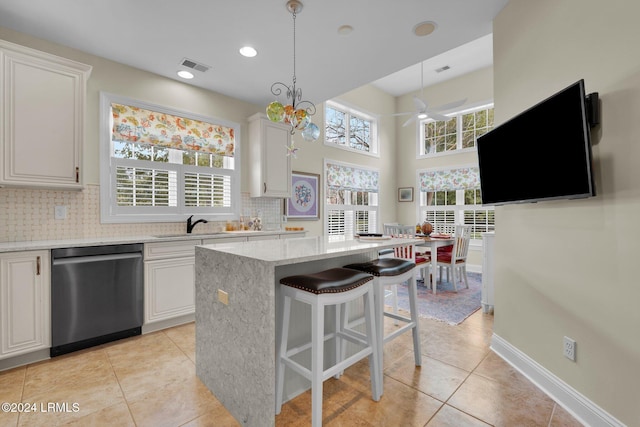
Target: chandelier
296, 113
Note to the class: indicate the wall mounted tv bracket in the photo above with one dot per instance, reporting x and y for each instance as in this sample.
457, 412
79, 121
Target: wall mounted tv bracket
593, 109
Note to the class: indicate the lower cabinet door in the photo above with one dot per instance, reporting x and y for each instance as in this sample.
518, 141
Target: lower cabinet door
169, 288
24, 302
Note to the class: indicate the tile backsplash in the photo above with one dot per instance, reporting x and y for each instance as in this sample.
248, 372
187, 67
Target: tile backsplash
28, 214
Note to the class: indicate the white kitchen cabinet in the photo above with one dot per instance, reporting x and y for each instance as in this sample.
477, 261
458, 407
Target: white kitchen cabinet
169, 280
487, 271
270, 166
25, 300
42, 109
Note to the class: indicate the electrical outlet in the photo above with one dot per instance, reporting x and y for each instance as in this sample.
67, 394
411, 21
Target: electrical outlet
60, 212
569, 348
223, 297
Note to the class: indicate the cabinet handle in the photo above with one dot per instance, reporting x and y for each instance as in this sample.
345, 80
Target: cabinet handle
77, 174
265, 187
37, 266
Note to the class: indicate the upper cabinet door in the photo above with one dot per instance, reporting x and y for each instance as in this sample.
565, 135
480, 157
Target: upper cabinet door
270, 165
42, 113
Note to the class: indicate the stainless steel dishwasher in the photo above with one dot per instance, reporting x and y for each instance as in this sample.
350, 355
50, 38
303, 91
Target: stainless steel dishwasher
96, 295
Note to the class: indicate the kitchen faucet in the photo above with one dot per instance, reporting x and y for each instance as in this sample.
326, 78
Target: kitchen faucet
190, 225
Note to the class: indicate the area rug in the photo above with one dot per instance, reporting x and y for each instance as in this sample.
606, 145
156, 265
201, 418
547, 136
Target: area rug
446, 305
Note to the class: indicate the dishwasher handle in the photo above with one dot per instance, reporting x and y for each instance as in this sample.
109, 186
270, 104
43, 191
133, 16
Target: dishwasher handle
95, 258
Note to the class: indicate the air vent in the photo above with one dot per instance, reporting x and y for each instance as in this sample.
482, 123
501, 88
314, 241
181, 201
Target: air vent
189, 63
441, 69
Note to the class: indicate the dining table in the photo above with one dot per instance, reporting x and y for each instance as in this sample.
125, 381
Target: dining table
434, 242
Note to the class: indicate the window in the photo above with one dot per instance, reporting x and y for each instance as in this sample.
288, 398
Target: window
351, 195
350, 129
452, 196
159, 164
458, 133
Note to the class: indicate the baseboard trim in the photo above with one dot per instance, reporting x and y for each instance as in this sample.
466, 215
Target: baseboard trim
167, 323
571, 400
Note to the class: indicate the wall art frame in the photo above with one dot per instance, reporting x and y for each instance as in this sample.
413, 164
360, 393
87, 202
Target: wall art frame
405, 194
304, 203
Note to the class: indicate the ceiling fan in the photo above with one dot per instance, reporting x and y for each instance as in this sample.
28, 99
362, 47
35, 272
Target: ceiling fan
422, 107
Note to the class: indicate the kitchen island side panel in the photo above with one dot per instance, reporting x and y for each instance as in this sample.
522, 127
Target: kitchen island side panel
235, 343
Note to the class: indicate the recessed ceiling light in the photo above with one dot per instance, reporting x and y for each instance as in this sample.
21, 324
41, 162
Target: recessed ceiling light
248, 51
185, 74
345, 30
424, 28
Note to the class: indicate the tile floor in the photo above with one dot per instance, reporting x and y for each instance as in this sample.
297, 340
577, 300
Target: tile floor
150, 381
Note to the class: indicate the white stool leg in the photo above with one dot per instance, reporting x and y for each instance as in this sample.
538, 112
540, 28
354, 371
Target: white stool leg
394, 299
284, 336
378, 292
372, 339
413, 298
342, 321
317, 362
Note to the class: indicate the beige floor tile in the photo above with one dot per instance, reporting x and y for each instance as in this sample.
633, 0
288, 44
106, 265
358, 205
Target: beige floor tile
150, 380
400, 405
451, 417
218, 417
11, 384
172, 405
501, 405
77, 384
115, 415
435, 378
149, 362
562, 418
184, 336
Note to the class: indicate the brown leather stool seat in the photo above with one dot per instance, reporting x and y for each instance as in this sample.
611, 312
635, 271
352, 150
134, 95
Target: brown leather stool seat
332, 280
384, 266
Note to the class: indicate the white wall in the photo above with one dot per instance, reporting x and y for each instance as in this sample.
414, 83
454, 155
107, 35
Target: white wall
570, 267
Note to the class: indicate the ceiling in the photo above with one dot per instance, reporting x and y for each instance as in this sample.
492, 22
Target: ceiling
157, 35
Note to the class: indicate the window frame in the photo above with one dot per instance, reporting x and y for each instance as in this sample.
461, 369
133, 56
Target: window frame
111, 212
420, 154
348, 208
349, 111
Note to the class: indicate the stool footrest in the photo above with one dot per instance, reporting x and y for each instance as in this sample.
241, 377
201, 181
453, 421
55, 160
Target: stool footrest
399, 331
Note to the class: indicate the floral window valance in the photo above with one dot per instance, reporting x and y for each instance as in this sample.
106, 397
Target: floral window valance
133, 124
341, 177
450, 179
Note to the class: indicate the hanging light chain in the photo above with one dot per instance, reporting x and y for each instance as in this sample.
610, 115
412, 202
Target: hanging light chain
294, 46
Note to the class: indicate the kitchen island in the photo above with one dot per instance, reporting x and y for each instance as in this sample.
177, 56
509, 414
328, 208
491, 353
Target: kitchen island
236, 289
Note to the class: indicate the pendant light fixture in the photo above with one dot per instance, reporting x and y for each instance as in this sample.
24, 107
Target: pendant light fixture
296, 112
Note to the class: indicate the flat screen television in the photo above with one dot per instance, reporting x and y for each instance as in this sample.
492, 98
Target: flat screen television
543, 153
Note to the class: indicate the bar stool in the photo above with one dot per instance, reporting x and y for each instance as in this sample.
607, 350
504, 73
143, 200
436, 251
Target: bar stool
333, 287
391, 271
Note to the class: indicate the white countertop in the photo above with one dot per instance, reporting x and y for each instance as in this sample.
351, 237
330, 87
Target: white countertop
34, 245
291, 251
